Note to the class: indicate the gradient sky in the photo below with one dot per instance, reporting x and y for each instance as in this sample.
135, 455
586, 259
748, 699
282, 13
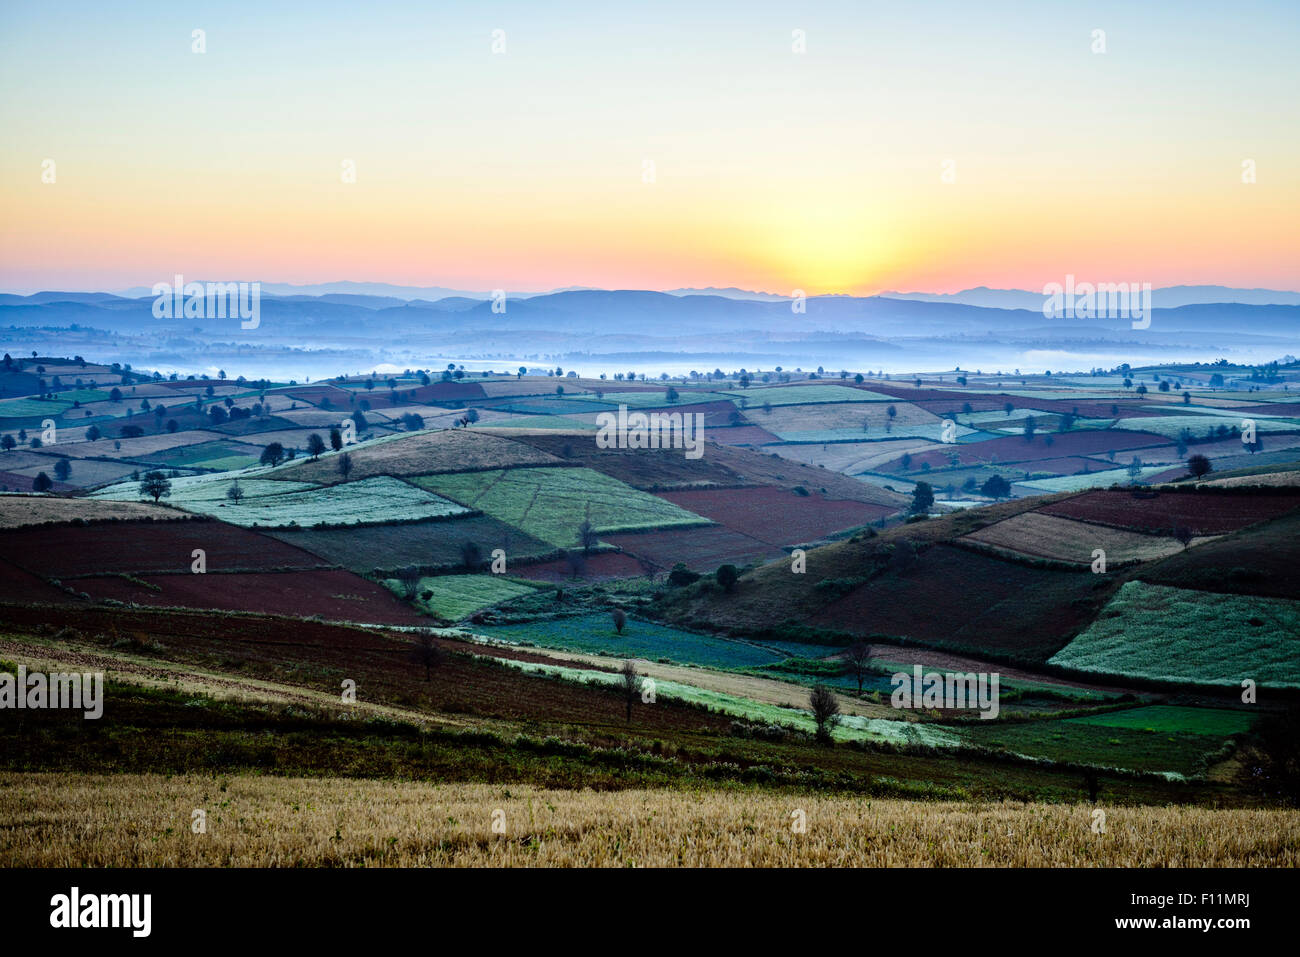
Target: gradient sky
774, 171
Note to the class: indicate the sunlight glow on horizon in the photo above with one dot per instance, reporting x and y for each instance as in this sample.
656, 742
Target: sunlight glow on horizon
774, 171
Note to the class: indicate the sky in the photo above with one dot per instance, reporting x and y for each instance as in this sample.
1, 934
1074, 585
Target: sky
927, 146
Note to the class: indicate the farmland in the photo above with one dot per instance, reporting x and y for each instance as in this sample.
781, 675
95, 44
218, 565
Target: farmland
1044, 535
271, 504
17, 511
453, 597
640, 639
551, 503
421, 454
775, 516
1220, 639
1204, 512
315, 573
270, 822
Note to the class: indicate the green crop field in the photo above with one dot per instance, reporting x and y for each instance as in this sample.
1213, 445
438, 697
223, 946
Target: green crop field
458, 596
551, 503
269, 504
198, 489
29, 408
1176, 634
1172, 426
1174, 718
1100, 745
640, 639
1105, 479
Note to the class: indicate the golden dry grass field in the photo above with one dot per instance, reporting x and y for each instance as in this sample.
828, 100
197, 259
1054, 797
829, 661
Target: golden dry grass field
131, 820
1066, 540
17, 511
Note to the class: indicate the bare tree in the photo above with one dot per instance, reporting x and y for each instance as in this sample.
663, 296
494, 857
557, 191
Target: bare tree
236, 492
630, 683
410, 579
825, 710
858, 658
426, 652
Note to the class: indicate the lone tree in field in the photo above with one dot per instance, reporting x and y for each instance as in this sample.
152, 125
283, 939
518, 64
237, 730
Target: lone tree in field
236, 492
1183, 534
727, 577
155, 485
62, 469
922, 498
426, 652
345, 465
1030, 427
620, 619
315, 445
41, 483
996, 487
858, 659
273, 454
409, 577
629, 682
587, 537
336, 439
470, 554
1199, 466
825, 711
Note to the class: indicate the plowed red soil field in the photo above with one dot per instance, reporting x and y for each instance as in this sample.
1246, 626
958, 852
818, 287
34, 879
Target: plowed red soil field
69, 550
963, 599
602, 566
336, 595
777, 516
702, 549
1205, 513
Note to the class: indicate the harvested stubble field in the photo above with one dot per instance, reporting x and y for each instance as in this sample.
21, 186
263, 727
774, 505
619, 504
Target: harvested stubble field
1061, 539
17, 511
136, 820
425, 453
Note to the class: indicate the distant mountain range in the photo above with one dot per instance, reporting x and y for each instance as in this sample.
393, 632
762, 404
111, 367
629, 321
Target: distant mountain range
598, 331
1168, 297
372, 294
